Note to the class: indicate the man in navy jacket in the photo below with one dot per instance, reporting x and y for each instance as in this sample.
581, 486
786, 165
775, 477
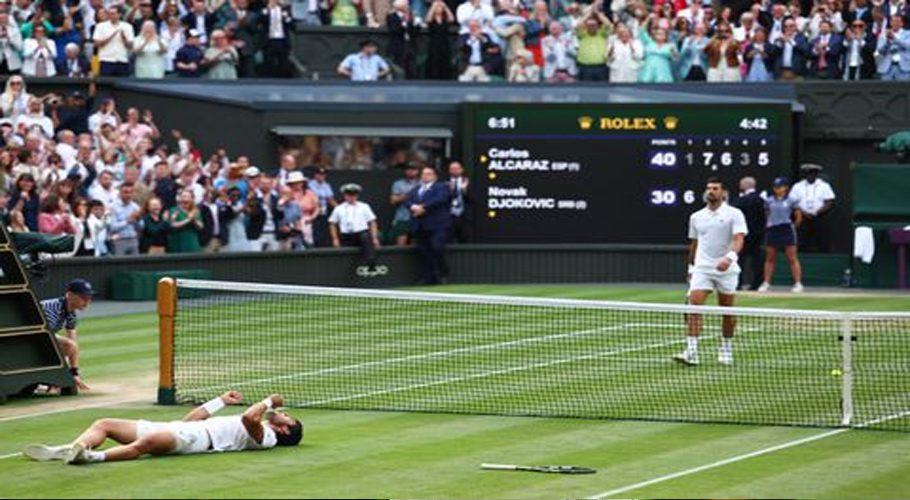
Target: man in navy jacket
431, 220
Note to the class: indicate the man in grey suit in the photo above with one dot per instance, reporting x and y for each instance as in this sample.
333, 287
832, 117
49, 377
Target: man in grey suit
893, 51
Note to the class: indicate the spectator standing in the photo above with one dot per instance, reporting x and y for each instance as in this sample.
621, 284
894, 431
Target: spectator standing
659, 57
752, 205
723, 56
523, 69
475, 47
154, 228
859, 49
96, 228
792, 52
106, 114
814, 198
123, 226
366, 65
308, 204
893, 51
287, 165
290, 235
15, 97
827, 52
53, 218
431, 220
759, 58
245, 24
439, 48
692, 56
150, 53
536, 29
164, 187
83, 245
784, 218
221, 58
73, 64
173, 35
459, 187
474, 10
113, 38
624, 56
103, 189
344, 12
234, 206
24, 199
276, 28
40, 54
376, 12
35, 117
210, 236
11, 45
199, 19
188, 60
323, 190
186, 223
353, 224
400, 233
402, 47
559, 50
262, 212
592, 33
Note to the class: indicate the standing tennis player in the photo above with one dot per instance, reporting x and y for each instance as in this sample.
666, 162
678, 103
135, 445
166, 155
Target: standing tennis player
717, 233
258, 428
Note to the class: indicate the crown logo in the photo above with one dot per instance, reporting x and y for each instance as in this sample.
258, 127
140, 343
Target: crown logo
671, 122
585, 122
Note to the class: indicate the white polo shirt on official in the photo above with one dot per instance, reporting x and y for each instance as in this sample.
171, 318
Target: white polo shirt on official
714, 230
811, 197
352, 217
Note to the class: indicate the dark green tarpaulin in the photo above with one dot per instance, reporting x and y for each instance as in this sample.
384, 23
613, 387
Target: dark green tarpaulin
881, 191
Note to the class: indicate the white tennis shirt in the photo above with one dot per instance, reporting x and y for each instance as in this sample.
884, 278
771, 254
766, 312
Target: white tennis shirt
229, 434
714, 230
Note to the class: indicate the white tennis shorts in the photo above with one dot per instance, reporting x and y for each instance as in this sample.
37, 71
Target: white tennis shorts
724, 283
190, 437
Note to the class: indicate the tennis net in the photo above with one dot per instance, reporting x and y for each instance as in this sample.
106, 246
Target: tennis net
416, 351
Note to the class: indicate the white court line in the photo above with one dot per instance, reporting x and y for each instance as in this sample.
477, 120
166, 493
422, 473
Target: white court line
11, 455
72, 408
745, 456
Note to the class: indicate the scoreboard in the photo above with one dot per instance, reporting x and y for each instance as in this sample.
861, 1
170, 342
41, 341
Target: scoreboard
613, 173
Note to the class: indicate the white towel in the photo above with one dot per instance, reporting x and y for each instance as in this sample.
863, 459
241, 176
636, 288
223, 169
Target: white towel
864, 244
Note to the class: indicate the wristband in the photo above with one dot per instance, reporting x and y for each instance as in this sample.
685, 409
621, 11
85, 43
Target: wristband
213, 406
732, 256
690, 269
268, 403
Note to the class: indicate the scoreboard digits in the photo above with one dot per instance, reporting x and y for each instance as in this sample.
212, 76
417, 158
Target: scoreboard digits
613, 173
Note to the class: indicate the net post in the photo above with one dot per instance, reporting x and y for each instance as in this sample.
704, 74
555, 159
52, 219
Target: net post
167, 312
846, 370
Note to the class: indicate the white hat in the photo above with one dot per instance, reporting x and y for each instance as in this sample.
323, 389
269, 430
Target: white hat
252, 172
295, 176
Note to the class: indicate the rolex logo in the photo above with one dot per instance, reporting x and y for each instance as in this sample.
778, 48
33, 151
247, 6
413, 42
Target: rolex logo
585, 122
671, 122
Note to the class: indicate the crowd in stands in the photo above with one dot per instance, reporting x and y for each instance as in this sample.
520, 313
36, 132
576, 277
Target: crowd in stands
514, 40
121, 186
651, 42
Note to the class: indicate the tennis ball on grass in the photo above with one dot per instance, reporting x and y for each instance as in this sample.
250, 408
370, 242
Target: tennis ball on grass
836, 372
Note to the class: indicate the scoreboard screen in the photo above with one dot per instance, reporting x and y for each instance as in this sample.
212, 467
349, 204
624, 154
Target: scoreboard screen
613, 173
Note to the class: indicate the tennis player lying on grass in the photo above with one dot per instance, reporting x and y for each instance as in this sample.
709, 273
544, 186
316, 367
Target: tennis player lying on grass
196, 433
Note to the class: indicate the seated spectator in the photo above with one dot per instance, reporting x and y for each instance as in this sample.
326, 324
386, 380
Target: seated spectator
221, 58
523, 69
827, 53
759, 58
723, 56
593, 31
11, 45
559, 49
353, 224
39, 53
344, 12
859, 50
35, 119
624, 56
14, 99
53, 218
439, 47
17, 222
659, 57
692, 57
188, 60
474, 47
893, 50
113, 40
150, 52
792, 52
73, 64
402, 48
366, 65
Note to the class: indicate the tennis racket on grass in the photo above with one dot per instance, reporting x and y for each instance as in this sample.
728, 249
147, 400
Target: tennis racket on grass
547, 469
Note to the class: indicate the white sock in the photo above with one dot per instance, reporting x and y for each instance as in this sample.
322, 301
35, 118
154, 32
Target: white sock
95, 456
726, 343
692, 343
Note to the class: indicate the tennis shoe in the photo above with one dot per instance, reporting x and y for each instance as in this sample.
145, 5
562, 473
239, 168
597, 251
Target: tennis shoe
43, 453
797, 288
764, 287
725, 357
76, 455
688, 357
